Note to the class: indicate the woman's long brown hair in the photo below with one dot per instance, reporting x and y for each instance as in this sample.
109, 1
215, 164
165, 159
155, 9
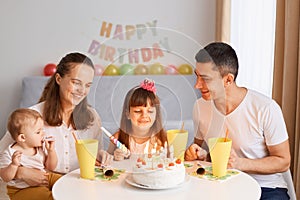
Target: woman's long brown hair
81, 117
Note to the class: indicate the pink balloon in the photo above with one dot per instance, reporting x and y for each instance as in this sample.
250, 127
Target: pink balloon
171, 69
98, 70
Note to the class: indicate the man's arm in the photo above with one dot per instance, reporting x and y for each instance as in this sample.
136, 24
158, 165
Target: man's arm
278, 161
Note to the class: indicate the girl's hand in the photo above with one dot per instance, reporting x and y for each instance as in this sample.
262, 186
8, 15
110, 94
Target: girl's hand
16, 158
106, 158
119, 155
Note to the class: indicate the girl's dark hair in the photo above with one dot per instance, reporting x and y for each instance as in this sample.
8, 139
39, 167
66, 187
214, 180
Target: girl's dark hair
139, 97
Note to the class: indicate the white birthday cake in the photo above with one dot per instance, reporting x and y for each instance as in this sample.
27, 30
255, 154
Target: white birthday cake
158, 173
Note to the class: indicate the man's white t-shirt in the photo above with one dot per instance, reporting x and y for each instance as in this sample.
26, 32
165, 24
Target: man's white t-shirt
254, 124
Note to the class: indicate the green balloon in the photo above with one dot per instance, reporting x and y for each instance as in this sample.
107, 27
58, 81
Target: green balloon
185, 69
126, 69
141, 69
111, 70
156, 69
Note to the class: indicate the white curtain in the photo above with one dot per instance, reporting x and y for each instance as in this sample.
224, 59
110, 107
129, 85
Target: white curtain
252, 36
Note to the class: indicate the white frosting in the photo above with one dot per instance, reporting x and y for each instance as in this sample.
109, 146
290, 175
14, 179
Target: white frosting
159, 177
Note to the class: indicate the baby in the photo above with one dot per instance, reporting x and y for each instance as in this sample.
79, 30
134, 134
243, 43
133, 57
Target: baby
26, 128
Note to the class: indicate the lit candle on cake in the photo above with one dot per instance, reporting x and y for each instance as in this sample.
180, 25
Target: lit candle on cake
171, 152
146, 153
153, 154
116, 142
146, 149
166, 149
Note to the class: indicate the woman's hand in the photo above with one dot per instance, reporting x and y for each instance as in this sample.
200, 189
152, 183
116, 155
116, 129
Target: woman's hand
33, 177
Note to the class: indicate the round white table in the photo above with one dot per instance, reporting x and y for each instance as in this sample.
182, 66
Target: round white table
71, 186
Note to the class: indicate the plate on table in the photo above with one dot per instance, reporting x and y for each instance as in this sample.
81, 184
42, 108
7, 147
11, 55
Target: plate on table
130, 181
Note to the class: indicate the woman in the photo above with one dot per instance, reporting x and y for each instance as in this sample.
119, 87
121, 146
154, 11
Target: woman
64, 108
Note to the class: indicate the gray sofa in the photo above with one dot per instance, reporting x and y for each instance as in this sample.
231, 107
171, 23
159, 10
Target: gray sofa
176, 93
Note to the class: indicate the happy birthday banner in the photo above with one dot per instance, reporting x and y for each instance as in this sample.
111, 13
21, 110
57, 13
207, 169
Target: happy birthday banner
124, 34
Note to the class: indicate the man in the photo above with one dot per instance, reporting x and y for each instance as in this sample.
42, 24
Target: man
260, 145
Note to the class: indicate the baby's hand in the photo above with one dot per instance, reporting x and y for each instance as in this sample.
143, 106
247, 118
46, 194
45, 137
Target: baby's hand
119, 154
16, 158
49, 143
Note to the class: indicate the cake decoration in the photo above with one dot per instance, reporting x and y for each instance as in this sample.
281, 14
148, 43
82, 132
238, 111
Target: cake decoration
108, 174
200, 171
156, 170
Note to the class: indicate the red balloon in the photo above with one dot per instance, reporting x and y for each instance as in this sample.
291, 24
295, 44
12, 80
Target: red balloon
49, 69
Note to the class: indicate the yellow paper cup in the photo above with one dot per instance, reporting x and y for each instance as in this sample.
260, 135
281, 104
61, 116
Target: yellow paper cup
86, 151
219, 153
178, 138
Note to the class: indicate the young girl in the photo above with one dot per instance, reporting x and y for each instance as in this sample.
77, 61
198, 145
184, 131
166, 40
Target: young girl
26, 128
141, 122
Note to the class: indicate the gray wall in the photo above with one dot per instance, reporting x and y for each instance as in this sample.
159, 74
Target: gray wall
34, 33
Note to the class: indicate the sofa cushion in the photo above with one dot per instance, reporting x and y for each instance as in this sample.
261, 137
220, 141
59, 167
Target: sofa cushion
176, 93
